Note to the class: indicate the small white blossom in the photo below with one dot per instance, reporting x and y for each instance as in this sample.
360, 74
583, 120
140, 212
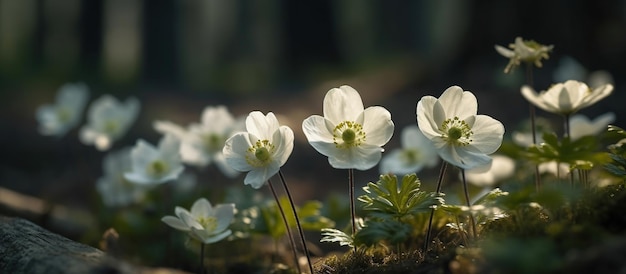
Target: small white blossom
416, 152
202, 143
461, 137
527, 51
204, 223
108, 121
581, 126
566, 98
349, 135
260, 151
58, 118
114, 189
501, 167
152, 165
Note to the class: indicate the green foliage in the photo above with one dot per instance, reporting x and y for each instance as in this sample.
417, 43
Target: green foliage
389, 230
270, 221
617, 166
386, 199
331, 235
579, 153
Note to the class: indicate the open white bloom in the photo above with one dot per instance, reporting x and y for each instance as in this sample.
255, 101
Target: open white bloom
501, 167
108, 120
260, 151
581, 126
461, 137
416, 152
58, 118
204, 223
114, 189
566, 98
152, 165
349, 135
202, 143
527, 51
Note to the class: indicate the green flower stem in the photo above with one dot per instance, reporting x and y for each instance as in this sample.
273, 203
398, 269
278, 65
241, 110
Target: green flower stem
442, 172
566, 133
531, 108
201, 258
352, 209
293, 207
282, 213
469, 205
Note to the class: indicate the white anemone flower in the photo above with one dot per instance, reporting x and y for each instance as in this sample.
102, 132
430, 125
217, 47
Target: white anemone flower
108, 121
260, 151
416, 153
581, 126
501, 167
349, 135
202, 143
58, 118
151, 165
204, 223
527, 51
461, 137
114, 189
566, 98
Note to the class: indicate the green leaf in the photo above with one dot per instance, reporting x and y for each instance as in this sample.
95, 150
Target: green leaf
336, 236
392, 231
386, 199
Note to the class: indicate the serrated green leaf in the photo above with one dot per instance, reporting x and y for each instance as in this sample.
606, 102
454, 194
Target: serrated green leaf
332, 235
385, 199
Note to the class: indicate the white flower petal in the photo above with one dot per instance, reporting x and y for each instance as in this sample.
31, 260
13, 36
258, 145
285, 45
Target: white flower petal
283, 141
377, 125
504, 51
256, 178
342, 104
169, 128
235, 151
175, 223
425, 116
362, 157
224, 213
201, 208
260, 125
488, 134
395, 162
317, 129
458, 103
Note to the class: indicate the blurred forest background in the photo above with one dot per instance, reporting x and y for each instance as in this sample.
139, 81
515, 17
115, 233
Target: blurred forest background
282, 56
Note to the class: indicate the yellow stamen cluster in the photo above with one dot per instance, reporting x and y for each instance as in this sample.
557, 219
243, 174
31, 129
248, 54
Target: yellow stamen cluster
260, 154
457, 131
63, 114
411, 155
208, 223
157, 168
111, 126
213, 142
348, 134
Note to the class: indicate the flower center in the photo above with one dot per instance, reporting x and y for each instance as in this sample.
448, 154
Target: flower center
260, 154
111, 126
348, 134
64, 114
411, 156
157, 168
457, 131
208, 223
213, 142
